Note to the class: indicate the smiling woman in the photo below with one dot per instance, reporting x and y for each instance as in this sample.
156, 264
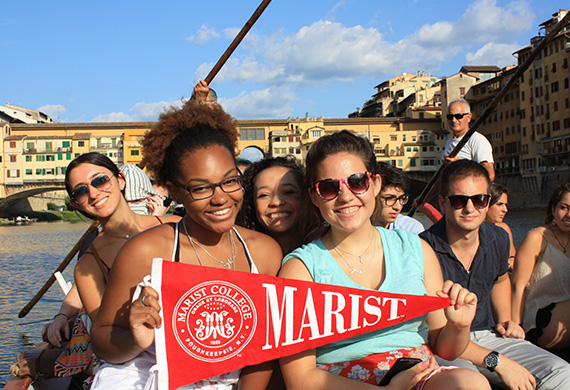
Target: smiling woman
272, 200
190, 151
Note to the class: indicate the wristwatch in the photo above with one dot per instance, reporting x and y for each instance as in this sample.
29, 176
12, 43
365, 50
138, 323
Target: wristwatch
492, 361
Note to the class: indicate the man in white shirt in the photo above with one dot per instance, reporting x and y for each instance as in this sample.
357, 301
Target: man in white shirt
477, 149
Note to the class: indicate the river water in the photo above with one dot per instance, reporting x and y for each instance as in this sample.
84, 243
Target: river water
30, 253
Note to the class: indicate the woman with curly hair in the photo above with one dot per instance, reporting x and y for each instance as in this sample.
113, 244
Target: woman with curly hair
541, 277
272, 200
190, 151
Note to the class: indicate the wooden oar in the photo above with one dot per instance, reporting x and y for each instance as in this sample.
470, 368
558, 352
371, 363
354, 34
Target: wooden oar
237, 40
61, 267
489, 109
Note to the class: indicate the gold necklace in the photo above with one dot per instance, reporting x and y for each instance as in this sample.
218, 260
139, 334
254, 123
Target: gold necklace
229, 263
351, 268
564, 247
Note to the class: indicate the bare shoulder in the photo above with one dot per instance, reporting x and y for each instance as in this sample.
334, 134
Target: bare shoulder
138, 252
505, 227
265, 251
294, 268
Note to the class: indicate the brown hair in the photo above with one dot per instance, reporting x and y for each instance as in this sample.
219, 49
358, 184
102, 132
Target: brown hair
461, 169
556, 197
312, 223
179, 131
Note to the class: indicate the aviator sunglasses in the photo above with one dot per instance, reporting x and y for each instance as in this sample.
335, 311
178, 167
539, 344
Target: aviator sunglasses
480, 201
357, 183
457, 116
81, 193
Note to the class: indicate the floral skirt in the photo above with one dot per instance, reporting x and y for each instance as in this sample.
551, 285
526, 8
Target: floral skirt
371, 369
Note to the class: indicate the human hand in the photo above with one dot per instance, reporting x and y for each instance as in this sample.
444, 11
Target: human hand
201, 90
155, 206
510, 329
144, 317
449, 160
409, 378
53, 332
514, 376
463, 303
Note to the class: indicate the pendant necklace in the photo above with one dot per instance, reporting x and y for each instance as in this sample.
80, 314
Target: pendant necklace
564, 247
229, 263
352, 269
348, 253
124, 237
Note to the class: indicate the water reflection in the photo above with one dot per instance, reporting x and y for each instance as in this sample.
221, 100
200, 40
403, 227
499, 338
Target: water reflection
28, 256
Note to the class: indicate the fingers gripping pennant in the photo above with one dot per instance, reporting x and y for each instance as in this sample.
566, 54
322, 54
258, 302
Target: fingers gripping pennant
216, 321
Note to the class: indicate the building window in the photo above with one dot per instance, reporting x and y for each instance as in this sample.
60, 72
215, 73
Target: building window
28, 158
68, 156
252, 134
13, 158
316, 133
400, 163
13, 173
80, 143
65, 144
29, 145
50, 157
28, 172
393, 138
134, 152
38, 171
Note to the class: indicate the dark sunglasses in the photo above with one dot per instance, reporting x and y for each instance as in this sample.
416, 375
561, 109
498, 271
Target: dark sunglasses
457, 116
81, 193
358, 184
480, 201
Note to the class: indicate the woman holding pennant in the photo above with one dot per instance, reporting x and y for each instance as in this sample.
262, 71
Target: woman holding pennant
343, 182
190, 151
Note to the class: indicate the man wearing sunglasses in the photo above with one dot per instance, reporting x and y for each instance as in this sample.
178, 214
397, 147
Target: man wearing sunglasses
475, 254
391, 200
478, 148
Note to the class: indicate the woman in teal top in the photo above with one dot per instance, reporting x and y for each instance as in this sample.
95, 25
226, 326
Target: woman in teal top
341, 172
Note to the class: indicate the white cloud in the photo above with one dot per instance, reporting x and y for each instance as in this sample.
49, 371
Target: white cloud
272, 102
204, 35
114, 117
140, 112
328, 51
52, 110
231, 32
151, 111
499, 54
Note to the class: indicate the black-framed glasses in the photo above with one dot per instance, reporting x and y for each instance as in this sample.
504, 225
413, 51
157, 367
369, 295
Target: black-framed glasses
204, 191
457, 116
357, 183
81, 193
391, 200
480, 201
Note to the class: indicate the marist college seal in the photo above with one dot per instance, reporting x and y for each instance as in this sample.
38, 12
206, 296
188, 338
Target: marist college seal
214, 321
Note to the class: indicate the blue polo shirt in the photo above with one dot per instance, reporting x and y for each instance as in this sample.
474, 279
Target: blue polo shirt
491, 261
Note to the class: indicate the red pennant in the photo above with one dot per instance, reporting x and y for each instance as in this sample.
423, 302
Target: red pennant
216, 321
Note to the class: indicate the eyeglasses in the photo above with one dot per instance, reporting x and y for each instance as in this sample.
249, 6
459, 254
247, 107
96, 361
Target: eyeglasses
460, 201
357, 183
204, 191
81, 193
457, 116
391, 200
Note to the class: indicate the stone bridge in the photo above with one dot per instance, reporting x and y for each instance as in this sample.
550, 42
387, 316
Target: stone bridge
15, 201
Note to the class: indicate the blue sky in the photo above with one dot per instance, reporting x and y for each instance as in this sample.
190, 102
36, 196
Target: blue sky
114, 61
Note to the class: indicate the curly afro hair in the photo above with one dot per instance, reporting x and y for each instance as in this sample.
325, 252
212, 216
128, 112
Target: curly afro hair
182, 130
